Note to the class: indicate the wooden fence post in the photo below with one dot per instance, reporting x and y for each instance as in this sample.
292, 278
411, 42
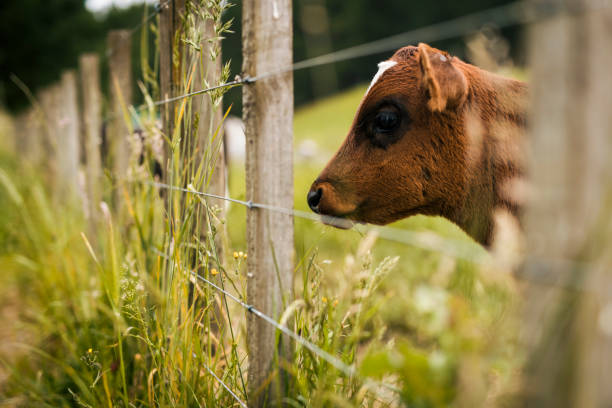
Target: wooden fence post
35, 143
119, 128
12, 132
169, 73
25, 135
48, 119
15, 133
568, 223
268, 118
209, 118
92, 126
68, 148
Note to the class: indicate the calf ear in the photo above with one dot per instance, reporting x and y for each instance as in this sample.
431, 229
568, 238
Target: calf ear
445, 84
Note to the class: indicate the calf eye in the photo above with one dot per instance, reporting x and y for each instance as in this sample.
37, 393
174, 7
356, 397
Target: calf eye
385, 121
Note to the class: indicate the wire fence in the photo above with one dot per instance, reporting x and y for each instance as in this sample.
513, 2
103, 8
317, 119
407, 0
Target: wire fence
346, 369
550, 272
224, 385
517, 13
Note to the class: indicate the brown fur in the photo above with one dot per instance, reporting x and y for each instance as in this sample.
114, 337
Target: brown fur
455, 152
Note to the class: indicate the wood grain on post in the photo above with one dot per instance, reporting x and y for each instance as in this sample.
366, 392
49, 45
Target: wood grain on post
92, 126
119, 44
568, 222
268, 118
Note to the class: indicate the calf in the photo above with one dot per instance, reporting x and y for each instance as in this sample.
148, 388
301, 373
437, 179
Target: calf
433, 135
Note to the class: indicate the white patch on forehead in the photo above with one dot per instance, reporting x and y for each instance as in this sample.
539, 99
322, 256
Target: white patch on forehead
382, 67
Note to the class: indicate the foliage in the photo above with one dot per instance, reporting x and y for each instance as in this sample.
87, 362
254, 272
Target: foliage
43, 38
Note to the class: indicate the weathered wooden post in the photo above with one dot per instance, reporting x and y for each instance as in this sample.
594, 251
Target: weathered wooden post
14, 133
92, 126
569, 228
169, 66
35, 142
27, 138
47, 121
12, 130
268, 117
208, 118
119, 128
68, 148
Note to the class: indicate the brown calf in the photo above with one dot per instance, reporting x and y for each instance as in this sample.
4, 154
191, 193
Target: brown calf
433, 135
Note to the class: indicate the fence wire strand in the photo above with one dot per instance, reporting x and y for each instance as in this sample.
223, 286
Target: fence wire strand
549, 272
223, 384
423, 240
338, 364
517, 13
347, 370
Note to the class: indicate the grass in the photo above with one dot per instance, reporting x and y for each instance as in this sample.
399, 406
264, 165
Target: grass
112, 317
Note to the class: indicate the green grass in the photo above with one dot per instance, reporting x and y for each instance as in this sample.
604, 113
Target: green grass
111, 317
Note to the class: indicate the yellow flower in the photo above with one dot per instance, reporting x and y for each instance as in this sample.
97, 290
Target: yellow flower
336, 302
214, 271
235, 255
324, 299
245, 256
90, 351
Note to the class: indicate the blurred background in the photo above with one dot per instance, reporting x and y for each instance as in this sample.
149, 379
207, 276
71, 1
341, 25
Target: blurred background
446, 330
41, 38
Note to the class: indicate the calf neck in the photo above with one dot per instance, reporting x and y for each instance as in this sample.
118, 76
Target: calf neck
433, 135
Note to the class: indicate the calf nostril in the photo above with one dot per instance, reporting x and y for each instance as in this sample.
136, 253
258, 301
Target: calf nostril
314, 198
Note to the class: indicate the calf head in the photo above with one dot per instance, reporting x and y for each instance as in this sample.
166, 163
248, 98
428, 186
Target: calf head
402, 155
407, 151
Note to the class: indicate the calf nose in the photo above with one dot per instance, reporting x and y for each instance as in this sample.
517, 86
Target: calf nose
314, 198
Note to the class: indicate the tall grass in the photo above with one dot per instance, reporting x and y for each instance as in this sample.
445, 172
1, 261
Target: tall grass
114, 317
